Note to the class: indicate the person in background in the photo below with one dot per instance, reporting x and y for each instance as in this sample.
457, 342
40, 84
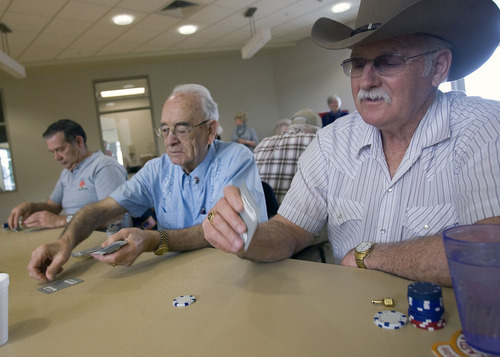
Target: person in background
86, 177
335, 112
411, 161
276, 156
282, 126
181, 186
244, 134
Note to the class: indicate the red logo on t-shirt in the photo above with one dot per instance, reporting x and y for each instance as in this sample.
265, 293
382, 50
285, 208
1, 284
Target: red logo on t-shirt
82, 185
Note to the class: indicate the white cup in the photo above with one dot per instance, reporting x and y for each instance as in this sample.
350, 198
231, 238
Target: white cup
4, 308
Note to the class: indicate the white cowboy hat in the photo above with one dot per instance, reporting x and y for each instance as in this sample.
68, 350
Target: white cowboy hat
471, 26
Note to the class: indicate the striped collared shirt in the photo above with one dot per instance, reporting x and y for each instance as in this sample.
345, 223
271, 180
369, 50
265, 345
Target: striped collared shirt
450, 174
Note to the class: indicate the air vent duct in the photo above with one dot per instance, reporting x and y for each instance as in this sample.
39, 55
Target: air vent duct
180, 9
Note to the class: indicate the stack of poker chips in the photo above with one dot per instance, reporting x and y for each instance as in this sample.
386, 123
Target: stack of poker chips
426, 306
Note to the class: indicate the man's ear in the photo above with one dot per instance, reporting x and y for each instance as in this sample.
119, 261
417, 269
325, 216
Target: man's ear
212, 130
442, 64
79, 141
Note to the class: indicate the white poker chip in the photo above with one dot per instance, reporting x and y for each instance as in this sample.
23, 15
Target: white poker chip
184, 300
391, 320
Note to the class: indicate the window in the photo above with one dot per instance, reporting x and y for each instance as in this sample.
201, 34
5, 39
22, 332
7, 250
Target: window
7, 182
479, 83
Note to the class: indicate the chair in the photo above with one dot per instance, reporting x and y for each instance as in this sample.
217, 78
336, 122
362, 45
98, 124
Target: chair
271, 201
318, 243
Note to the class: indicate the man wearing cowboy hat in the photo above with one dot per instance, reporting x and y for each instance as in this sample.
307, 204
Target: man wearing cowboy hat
388, 178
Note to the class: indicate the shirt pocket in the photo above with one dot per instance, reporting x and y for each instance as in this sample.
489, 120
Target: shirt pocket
346, 211
428, 221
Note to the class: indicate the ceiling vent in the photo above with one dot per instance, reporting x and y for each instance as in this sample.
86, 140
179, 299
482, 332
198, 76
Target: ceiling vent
180, 9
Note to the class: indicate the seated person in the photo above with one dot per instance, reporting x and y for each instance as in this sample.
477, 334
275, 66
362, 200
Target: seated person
86, 177
411, 161
276, 156
181, 185
335, 112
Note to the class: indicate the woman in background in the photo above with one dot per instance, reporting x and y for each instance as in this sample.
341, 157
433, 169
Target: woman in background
243, 134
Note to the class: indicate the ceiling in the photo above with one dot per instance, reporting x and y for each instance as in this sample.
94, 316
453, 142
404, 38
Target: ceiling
48, 32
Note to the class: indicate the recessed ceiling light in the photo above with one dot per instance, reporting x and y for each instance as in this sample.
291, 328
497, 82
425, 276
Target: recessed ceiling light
341, 7
123, 19
122, 92
187, 29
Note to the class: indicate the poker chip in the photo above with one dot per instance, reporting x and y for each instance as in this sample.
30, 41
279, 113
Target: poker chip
426, 307
430, 326
391, 320
423, 290
184, 300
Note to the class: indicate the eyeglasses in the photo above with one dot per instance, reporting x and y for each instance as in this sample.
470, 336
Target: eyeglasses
180, 131
386, 65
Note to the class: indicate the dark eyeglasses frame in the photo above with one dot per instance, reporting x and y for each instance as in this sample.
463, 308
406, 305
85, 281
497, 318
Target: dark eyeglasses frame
163, 131
347, 64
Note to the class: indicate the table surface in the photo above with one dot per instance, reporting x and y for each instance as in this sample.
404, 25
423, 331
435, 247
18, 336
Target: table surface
286, 308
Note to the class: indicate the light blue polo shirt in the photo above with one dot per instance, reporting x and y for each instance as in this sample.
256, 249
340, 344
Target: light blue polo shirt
182, 200
93, 179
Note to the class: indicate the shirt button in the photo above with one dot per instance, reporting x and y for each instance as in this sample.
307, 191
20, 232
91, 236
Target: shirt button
339, 216
383, 231
389, 190
426, 226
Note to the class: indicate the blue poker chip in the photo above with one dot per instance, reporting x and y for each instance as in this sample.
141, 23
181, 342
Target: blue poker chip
184, 300
424, 291
426, 305
424, 317
391, 320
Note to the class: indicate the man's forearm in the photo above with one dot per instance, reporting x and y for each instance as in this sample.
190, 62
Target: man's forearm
276, 240
422, 259
186, 239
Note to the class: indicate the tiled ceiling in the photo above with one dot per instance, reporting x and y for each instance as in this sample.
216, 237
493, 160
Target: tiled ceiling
60, 31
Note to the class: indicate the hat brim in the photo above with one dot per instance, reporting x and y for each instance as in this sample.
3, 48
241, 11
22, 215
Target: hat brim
471, 26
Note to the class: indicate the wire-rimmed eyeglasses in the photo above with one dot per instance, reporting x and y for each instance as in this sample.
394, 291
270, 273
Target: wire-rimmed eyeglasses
180, 131
386, 65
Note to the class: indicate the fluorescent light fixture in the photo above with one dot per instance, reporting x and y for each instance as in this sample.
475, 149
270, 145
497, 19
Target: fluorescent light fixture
123, 19
11, 66
341, 7
256, 43
122, 92
187, 29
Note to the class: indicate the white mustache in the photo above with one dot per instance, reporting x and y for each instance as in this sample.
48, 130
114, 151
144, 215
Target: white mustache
374, 94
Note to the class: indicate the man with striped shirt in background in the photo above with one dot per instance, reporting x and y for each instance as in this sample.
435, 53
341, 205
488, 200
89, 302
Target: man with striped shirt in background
388, 178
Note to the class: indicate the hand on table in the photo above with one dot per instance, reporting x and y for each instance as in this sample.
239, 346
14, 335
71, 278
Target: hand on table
47, 260
45, 219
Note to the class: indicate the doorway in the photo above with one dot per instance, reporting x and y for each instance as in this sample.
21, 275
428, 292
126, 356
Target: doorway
126, 121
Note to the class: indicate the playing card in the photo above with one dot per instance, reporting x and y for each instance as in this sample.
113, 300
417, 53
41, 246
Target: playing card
250, 215
113, 247
87, 253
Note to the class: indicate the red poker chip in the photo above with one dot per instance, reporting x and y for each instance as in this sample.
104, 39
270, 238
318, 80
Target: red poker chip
430, 326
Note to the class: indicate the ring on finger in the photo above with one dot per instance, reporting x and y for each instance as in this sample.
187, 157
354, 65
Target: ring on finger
211, 216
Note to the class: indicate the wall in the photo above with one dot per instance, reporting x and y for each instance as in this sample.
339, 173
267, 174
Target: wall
269, 86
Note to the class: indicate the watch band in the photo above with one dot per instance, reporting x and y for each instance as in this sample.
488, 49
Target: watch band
163, 246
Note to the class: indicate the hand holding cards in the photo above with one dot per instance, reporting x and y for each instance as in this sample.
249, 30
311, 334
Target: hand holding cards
87, 254
250, 215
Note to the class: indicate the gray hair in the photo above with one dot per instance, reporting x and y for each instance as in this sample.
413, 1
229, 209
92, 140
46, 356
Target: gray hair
334, 98
208, 105
428, 43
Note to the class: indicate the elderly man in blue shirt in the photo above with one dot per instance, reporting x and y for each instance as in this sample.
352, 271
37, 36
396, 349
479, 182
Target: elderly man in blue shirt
182, 186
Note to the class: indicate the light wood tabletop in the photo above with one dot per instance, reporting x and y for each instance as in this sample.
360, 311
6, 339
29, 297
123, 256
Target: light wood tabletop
242, 308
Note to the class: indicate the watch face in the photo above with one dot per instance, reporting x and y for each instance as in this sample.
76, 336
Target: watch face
363, 247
